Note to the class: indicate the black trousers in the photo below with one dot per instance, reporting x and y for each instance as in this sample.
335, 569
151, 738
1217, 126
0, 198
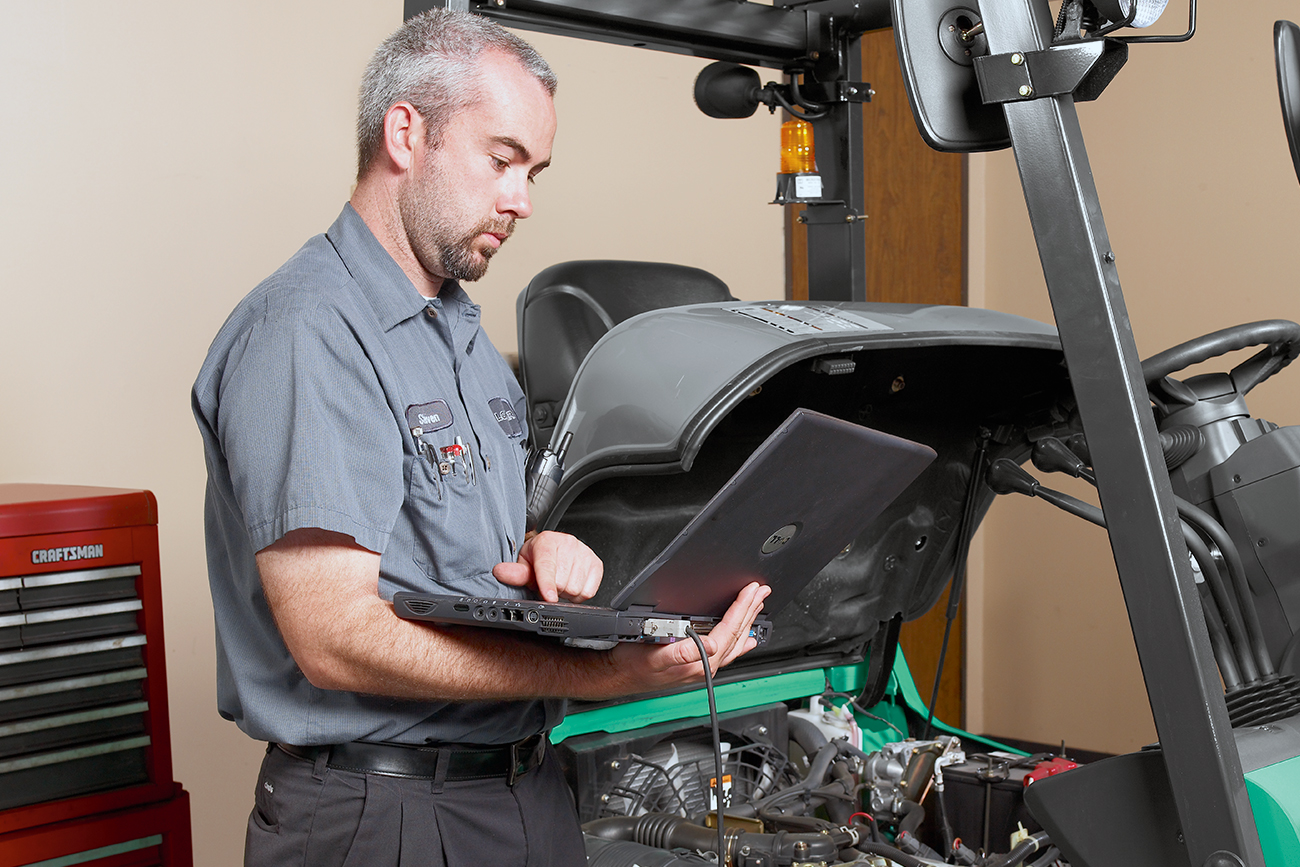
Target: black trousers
310, 815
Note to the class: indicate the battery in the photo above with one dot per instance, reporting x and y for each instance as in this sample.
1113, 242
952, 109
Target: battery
984, 797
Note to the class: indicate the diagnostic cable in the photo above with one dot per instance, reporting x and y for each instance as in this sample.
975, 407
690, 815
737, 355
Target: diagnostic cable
717, 742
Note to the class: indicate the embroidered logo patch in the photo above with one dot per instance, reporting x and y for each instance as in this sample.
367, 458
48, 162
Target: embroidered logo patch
504, 413
425, 417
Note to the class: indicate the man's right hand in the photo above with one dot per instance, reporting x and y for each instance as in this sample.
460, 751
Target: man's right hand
657, 666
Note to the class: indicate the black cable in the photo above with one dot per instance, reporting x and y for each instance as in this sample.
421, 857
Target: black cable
806, 104
965, 532
717, 742
800, 115
866, 713
944, 825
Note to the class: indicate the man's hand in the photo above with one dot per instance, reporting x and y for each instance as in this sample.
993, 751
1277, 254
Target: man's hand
556, 565
656, 666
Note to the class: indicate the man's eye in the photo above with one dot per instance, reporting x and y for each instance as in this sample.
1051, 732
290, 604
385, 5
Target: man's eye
500, 164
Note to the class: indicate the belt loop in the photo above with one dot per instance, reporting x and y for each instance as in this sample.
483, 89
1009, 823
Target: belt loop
322, 763
513, 773
442, 763
534, 748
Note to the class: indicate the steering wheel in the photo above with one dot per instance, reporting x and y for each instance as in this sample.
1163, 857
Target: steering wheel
1286, 43
1280, 337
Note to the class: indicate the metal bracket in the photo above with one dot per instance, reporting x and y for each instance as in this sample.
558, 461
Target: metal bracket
837, 91
1082, 69
825, 212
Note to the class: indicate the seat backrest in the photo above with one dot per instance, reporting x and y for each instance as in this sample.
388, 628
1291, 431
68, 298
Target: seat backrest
1286, 41
568, 307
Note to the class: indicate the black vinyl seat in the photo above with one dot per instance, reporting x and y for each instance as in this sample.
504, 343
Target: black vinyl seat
566, 308
1286, 40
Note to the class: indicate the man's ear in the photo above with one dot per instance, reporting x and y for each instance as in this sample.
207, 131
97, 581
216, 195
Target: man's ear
403, 133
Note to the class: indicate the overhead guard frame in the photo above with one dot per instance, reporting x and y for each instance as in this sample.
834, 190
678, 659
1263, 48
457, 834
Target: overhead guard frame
1186, 699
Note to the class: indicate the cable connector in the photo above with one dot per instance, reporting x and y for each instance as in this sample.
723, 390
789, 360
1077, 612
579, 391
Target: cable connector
545, 470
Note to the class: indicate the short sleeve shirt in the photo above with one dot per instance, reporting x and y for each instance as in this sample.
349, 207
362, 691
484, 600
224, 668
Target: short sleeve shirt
337, 397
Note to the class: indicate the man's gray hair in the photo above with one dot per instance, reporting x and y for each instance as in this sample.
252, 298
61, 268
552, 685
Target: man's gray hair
432, 63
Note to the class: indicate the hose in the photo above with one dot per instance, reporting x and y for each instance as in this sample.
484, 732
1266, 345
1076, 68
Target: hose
911, 817
1052, 455
1048, 857
1214, 531
896, 855
1231, 619
1006, 477
1018, 853
674, 832
1219, 640
804, 733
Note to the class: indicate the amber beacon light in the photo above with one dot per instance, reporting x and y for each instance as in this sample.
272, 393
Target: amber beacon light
798, 154
798, 180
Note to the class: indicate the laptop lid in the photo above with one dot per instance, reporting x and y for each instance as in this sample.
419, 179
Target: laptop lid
811, 488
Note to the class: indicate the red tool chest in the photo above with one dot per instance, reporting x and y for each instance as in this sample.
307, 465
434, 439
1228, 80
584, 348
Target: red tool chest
85, 749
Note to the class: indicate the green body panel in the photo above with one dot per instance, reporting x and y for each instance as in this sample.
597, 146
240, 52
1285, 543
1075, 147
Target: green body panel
901, 695
1274, 793
686, 705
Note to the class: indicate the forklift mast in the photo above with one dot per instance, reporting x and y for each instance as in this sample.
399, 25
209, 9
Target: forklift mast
1019, 91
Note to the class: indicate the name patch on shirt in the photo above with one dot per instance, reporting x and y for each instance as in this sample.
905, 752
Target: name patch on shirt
425, 417
504, 412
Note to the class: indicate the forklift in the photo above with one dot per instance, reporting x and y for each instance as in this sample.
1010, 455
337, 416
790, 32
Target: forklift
648, 384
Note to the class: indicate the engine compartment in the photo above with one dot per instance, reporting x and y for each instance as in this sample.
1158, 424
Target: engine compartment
804, 786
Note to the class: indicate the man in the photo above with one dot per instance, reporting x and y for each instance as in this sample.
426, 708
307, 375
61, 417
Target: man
361, 438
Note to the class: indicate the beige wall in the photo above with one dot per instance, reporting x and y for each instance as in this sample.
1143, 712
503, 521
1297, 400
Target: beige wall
1203, 211
161, 158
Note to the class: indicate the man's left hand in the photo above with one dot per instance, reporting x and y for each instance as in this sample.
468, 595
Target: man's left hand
556, 565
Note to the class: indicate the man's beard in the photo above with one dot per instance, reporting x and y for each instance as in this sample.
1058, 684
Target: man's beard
439, 245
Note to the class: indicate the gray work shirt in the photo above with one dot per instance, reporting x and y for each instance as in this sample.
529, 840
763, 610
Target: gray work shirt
329, 399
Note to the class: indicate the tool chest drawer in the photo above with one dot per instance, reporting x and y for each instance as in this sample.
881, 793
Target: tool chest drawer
83, 691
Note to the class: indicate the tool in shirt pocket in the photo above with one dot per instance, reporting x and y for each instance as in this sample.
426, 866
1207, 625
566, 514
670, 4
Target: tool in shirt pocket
425, 420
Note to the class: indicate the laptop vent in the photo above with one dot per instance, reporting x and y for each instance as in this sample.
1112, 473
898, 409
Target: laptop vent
421, 606
553, 625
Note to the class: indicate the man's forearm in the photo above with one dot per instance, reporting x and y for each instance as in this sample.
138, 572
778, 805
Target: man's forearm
376, 652
350, 639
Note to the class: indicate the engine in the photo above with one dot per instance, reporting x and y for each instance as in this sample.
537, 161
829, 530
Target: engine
808, 801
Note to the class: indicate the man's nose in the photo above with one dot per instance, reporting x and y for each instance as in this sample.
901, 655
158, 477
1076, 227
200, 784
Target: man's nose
515, 199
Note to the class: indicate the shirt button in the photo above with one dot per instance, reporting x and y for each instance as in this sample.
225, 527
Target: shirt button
432, 314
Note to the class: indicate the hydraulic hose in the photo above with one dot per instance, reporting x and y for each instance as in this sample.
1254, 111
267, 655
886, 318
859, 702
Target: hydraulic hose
1231, 619
1052, 455
1214, 531
1006, 477
1219, 640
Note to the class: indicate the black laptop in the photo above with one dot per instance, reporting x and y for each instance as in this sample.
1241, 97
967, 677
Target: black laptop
808, 491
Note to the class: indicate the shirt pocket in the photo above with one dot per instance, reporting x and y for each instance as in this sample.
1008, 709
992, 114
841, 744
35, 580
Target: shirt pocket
447, 525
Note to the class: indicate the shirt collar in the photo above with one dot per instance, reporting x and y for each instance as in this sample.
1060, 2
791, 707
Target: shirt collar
381, 280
